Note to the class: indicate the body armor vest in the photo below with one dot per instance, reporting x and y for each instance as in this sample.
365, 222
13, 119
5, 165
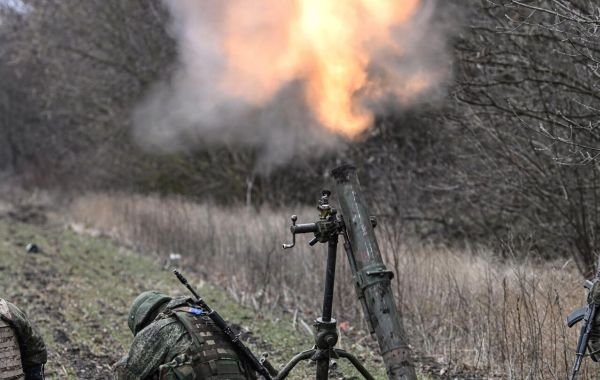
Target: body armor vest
11, 367
211, 356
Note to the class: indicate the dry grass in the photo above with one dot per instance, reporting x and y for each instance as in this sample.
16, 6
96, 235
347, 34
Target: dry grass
465, 309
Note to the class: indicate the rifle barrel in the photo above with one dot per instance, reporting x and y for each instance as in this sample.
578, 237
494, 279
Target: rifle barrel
220, 322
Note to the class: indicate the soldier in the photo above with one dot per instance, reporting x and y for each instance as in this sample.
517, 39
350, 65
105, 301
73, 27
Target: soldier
22, 349
594, 343
173, 339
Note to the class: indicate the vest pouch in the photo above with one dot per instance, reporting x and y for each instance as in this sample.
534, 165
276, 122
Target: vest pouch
226, 367
180, 368
10, 354
211, 355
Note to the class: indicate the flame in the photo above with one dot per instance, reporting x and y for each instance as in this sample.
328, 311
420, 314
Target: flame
326, 44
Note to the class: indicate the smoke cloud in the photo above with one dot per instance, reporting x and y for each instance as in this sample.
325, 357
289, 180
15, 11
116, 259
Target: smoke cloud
289, 78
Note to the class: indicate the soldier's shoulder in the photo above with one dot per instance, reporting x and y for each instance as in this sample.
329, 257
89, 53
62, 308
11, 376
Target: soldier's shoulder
8, 311
162, 324
4, 310
156, 335
13, 315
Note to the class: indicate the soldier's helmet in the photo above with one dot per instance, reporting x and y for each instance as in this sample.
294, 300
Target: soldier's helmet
144, 309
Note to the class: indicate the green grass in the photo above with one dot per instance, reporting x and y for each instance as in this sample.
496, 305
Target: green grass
79, 288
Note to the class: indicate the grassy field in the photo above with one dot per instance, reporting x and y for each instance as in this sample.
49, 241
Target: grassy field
469, 314
78, 290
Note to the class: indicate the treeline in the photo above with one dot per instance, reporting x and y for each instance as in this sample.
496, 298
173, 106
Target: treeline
507, 158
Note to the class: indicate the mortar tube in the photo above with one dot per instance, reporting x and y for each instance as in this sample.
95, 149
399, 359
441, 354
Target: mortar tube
372, 279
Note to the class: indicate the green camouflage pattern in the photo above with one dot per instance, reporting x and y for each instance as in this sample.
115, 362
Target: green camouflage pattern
33, 349
158, 343
594, 342
594, 294
144, 309
180, 368
164, 350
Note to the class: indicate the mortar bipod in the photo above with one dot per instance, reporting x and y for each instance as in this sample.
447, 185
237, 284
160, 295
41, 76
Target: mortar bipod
326, 230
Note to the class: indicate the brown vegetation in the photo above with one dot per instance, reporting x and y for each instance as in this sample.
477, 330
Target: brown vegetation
465, 309
483, 196
507, 160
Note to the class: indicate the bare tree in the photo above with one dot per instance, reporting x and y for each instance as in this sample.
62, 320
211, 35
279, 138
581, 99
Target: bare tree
77, 68
528, 82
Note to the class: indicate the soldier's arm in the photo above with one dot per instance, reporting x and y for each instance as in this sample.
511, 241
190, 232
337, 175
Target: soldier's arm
120, 370
148, 351
33, 349
594, 342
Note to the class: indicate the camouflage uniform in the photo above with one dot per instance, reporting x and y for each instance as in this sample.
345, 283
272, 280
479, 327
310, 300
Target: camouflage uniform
594, 342
174, 340
22, 349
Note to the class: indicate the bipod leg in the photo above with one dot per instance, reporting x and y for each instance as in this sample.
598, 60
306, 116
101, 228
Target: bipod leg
325, 338
267, 364
322, 359
285, 371
329, 278
355, 362
326, 327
